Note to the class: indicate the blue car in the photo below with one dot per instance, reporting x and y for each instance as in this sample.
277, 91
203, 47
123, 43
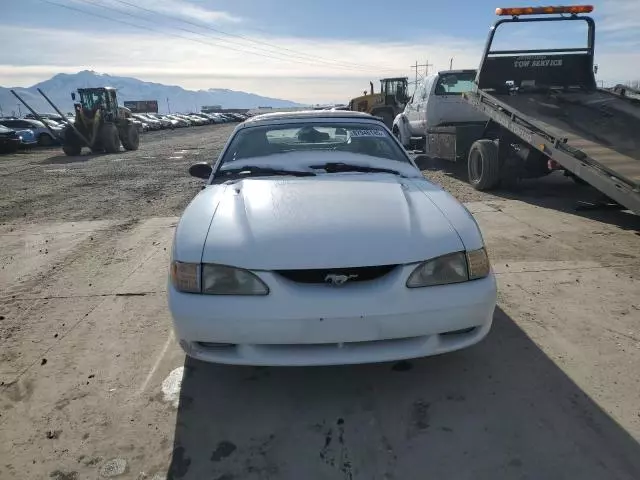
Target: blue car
28, 138
43, 134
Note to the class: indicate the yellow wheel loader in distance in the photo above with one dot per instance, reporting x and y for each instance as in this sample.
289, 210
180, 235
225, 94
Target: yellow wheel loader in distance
386, 104
100, 123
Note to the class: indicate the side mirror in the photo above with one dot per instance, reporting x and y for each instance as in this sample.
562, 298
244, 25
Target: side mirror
73, 96
200, 170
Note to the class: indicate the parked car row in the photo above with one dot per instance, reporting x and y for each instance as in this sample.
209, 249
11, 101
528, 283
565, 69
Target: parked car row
9, 140
27, 132
158, 121
34, 132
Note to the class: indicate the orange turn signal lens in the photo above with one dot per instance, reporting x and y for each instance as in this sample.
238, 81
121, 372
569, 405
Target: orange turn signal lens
517, 11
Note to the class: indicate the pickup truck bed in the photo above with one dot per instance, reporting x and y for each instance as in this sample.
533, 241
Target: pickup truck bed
604, 126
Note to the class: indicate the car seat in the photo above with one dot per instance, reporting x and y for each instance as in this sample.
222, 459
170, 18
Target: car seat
363, 145
253, 144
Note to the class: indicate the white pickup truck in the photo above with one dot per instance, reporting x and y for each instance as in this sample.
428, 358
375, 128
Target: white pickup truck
436, 106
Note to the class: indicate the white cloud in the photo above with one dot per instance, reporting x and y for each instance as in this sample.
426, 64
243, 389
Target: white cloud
620, 17
171, 60
196, 64
173, 8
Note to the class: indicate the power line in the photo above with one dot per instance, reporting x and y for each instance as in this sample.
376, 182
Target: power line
144, 27
245, 38
270, 54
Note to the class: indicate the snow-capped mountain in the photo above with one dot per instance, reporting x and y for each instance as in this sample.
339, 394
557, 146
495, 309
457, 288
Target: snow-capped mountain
59, 88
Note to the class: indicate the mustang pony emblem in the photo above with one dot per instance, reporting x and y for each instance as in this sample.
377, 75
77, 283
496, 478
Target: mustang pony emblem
335, 279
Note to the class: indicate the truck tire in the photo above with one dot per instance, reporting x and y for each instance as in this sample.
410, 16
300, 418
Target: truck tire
109, 138
483, 165
72, 145
130, 137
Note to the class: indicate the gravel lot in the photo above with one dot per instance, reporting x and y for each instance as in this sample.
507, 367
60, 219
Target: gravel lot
47, 185
93, 384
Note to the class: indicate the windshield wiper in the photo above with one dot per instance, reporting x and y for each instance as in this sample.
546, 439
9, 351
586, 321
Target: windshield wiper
254, 170
337, 167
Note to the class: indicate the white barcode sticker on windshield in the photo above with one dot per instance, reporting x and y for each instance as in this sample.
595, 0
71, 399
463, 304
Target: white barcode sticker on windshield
367, 133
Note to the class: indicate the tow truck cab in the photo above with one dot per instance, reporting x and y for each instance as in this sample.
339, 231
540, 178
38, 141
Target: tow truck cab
437, 107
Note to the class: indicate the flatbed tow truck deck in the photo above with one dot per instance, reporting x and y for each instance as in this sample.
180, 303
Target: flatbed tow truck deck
592, 123
547, 102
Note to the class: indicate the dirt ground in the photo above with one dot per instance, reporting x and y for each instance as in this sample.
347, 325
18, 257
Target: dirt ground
93, 384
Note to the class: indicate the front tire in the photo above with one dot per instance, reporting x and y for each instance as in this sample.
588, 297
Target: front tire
483, 165
130, 138
71, 145
110, 138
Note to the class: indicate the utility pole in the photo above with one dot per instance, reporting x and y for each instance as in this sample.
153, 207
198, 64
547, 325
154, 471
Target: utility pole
426, 68
418, 75
451, 64
168, 106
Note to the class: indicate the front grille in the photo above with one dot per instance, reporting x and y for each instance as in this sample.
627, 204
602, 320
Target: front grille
323, 275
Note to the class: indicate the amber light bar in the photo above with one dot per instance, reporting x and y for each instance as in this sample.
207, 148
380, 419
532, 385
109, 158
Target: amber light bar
517, 11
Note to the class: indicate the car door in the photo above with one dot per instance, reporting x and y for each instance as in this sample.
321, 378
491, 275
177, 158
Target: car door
446, 104
417, 122
412, 114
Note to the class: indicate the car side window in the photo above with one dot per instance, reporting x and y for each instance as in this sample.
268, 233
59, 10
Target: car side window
417, 96
425, 90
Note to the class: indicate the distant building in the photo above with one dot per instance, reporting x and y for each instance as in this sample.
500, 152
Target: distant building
142, 106
259, 110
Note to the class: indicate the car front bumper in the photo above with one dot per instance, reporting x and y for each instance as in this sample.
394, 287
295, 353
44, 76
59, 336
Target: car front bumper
318, 325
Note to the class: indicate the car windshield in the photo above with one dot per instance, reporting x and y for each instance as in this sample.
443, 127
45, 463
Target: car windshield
356, 138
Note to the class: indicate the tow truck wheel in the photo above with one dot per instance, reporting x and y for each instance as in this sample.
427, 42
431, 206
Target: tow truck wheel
483, 165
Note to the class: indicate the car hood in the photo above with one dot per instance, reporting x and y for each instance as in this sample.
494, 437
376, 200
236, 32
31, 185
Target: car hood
329, 221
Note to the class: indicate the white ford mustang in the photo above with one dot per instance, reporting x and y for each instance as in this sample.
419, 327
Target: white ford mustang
317, 241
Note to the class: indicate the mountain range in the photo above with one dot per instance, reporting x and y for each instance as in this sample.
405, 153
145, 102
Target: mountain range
59, 87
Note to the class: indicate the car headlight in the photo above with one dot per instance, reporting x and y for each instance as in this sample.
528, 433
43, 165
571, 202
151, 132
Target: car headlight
451, 268
223, 280
212, 279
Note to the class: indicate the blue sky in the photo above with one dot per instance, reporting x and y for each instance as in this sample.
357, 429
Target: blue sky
302, 50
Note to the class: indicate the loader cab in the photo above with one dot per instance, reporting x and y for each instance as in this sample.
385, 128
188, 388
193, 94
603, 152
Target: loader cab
394, 90
93, 99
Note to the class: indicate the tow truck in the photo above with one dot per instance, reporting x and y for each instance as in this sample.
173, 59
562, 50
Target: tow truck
542, 112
